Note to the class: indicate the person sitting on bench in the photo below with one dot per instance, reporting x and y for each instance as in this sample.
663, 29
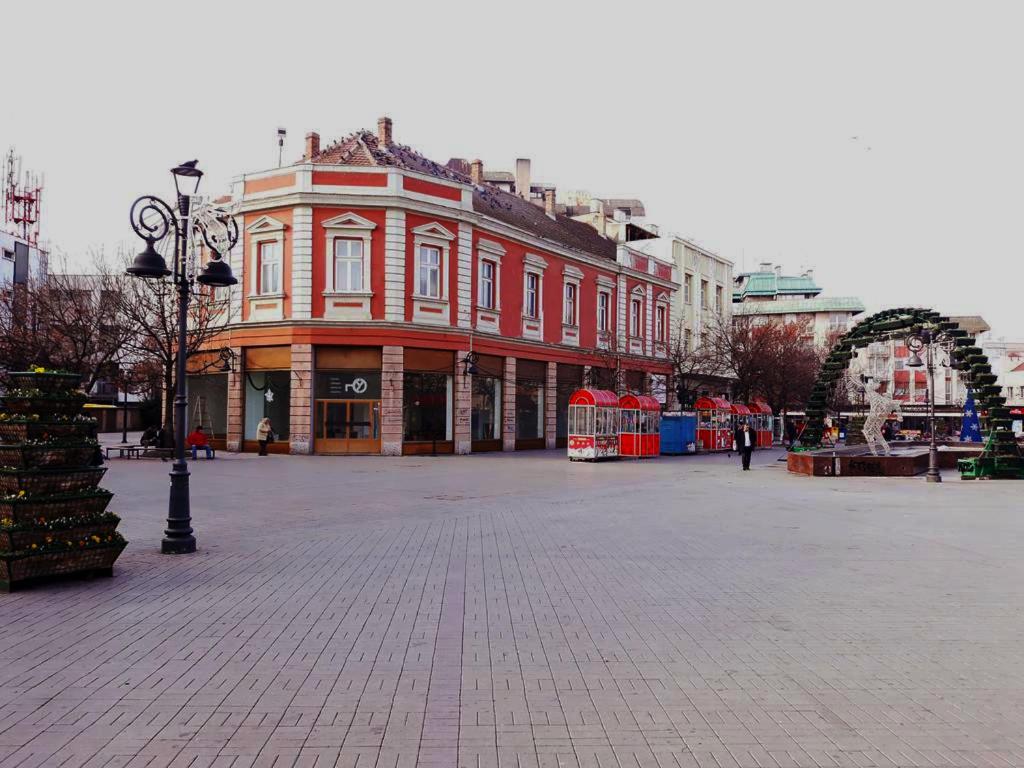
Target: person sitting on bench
198, 439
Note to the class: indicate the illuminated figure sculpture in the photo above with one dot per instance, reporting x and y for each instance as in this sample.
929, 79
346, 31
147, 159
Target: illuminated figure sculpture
881, 408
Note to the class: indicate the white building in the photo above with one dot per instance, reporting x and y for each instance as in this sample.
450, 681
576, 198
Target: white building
20, 261
767, 294
706, 278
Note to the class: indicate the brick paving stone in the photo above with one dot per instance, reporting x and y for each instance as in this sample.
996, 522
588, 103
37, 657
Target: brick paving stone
519, 610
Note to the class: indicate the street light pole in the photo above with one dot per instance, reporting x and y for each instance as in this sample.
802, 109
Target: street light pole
153, 220
925, 339
179, 538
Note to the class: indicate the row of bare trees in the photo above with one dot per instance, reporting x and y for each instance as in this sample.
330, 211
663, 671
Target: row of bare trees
775, 361
104, 325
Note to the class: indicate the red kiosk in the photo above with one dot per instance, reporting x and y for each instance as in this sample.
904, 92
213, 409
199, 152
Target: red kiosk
714, 423
740, 414
639, 426
593, 425
763, 423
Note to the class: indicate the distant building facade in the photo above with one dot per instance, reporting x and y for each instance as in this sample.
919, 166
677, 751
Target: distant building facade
768, 295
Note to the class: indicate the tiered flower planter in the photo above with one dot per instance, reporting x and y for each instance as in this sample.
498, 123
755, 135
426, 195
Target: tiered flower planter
53, 518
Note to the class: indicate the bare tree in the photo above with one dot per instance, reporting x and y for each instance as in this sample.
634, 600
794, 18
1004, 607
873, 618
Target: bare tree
696, 365
151, 307
68, 321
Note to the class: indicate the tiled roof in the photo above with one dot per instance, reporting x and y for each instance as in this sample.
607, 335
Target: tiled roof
770, 284
634, 206
800, 306
362, 148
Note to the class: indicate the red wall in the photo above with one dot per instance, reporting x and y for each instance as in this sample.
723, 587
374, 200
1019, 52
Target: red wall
511, 287
414, 221
283, 215
642, 331
377, 216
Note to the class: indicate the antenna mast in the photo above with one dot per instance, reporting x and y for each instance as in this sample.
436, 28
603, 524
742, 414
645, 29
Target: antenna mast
23, 197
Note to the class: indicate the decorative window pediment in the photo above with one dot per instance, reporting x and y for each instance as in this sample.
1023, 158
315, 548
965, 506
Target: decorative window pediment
535, 261
493, 249
349, 221
572, 272
266, 224
434, 230
662, 297
639, 291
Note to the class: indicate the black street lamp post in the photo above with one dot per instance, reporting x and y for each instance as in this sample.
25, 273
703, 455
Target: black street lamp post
153, 220
925, 339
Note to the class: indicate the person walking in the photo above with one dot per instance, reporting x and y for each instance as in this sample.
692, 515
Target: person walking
745, 440
264, 433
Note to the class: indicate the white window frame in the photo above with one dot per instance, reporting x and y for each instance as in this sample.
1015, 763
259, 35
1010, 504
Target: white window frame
348, 226
636, 317
688, 288
660, 322
572, 282
533, 265
572, 278
263, 262
425, 272
605, 285
569, 304
719, 299
354, 265
264, 306
487, 290
704, 303
604, 311
265, 230
425, 307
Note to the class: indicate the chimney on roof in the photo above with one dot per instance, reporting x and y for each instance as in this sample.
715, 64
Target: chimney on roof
549, 202
764, 266
312, 145
384, 131
523, 177
476, 172
778, 270
809, 274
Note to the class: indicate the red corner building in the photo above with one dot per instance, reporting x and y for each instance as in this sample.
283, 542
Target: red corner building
390, 304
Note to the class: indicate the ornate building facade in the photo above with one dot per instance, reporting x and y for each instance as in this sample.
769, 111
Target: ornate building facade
390, 304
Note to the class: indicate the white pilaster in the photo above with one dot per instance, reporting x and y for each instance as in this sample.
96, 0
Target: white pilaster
649, 321
394, 266
622, 314
302, 262
465, 276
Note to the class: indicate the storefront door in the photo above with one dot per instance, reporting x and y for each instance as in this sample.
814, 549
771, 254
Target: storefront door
347, 426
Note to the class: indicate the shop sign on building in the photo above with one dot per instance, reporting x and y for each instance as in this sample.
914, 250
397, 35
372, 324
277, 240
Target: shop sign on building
348, 385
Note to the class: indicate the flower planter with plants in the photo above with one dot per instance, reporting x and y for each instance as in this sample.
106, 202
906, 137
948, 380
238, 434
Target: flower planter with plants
53, 518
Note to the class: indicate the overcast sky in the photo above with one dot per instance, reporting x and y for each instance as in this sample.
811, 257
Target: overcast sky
880, 143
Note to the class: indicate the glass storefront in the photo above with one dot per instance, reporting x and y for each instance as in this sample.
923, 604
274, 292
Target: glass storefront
529, 410
268, 393
426, 407
208, 404
530, 380
486, 417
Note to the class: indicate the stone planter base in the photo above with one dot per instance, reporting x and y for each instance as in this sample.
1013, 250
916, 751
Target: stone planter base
17, 570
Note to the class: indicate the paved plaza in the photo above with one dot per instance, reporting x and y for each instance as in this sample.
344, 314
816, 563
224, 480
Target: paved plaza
520, 610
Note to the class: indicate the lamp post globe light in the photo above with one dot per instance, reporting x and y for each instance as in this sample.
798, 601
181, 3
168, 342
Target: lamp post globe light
927, 339
154, 220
